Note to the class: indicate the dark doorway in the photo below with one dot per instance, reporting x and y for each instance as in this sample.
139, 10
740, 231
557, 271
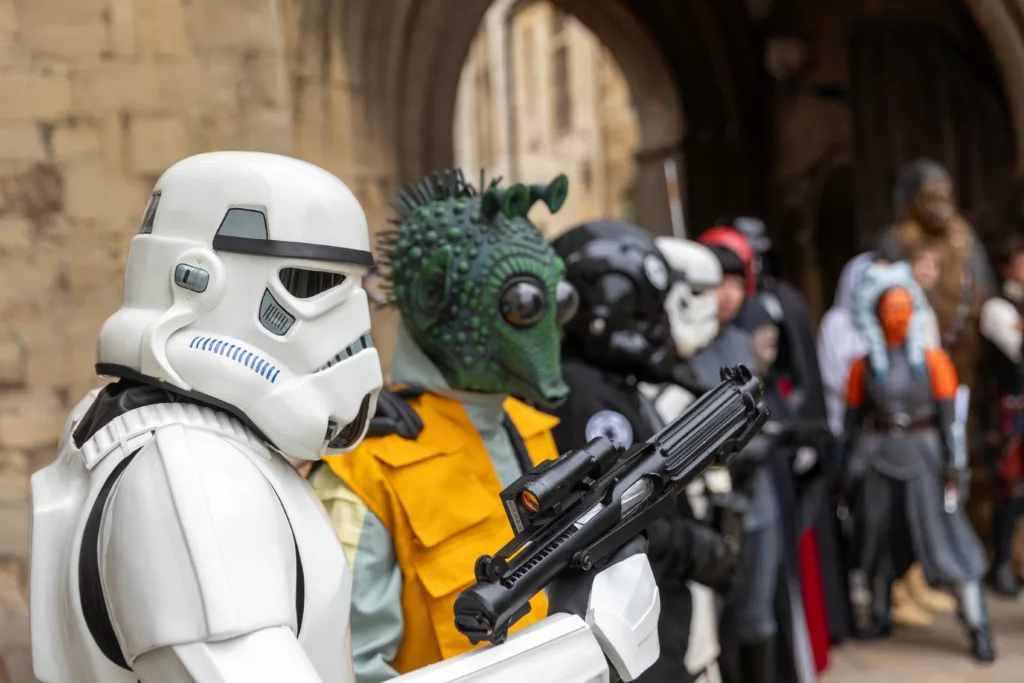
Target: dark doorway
835, 229
917, 92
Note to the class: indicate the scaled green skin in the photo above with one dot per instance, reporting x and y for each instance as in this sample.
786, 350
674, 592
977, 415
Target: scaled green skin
449, 258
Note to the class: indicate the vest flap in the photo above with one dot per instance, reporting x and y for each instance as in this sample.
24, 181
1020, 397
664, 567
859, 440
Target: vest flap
450, 568
395, 451
441, 499
529, 421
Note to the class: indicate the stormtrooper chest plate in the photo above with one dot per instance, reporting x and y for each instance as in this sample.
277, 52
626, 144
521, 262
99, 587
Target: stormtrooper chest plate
68, 646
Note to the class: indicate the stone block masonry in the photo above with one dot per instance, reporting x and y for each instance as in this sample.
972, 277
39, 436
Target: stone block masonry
99, 97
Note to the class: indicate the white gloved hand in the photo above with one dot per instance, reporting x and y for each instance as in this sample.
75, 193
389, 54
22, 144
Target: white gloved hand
804, 459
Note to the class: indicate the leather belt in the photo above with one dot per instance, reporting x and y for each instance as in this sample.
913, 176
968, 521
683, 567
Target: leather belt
900, 423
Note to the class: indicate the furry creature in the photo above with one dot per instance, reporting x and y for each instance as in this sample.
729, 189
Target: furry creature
927, 217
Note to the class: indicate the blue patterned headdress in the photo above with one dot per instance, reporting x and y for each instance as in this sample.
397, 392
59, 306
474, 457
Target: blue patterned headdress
875, 281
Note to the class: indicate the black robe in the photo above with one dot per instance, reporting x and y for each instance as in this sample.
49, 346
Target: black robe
798, 363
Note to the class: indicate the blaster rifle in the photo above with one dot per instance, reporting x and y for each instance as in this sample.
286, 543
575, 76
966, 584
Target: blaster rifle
577, 510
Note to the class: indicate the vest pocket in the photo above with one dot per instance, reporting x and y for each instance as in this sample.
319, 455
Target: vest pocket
442, 499
443, 575
446, 571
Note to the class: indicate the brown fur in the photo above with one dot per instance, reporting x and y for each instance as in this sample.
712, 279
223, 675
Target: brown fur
954, 247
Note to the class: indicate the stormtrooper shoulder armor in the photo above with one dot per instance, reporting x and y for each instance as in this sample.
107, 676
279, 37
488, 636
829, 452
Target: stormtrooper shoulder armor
195, 545
80, 409
998, 323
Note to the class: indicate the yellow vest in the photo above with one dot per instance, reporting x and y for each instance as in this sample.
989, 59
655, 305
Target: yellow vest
438, 498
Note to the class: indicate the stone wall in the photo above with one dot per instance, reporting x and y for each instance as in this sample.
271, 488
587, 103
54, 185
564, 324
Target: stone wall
99, 97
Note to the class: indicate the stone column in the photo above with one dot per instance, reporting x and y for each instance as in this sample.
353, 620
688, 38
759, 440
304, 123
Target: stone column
653, 208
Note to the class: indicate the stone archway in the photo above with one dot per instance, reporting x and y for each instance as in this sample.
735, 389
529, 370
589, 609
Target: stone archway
407, 56
425, 140
1002, 23
402, 59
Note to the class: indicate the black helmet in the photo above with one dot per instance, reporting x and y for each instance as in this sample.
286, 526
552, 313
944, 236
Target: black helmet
622, 280
756, 232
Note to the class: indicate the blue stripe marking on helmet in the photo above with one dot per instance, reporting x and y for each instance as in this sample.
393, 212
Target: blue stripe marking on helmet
260, 366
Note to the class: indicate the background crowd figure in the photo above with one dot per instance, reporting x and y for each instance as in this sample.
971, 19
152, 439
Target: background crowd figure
845, 517
916, 369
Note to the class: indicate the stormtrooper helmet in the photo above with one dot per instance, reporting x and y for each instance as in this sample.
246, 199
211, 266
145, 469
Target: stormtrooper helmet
243, 289
691, 303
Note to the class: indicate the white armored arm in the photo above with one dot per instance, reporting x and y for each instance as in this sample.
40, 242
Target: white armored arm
621, 628
623, 613
561, 648
198, 565
671, 403
272, 655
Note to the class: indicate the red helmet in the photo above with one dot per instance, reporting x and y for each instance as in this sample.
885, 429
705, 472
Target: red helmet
735, 241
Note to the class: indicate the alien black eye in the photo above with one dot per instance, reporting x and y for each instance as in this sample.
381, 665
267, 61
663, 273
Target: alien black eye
567, 301
523, 303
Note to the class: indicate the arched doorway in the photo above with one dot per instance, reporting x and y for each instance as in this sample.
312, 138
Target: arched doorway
404, 58
517, 112
708, 57
540, 95
713, 67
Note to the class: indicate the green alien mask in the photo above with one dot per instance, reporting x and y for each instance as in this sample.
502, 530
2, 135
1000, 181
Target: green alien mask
478, 287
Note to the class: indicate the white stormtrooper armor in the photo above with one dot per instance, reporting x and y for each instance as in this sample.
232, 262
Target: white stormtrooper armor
173, 540
692, 308
692, 304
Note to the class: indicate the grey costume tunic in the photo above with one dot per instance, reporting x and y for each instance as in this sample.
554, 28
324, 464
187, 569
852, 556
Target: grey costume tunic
730, 347
752, 601
901, 491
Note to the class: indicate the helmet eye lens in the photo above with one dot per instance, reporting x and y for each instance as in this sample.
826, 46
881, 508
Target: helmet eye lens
523, 303
304, 284
567, 301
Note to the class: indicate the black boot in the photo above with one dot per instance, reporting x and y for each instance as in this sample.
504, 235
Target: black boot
973, 615
982, 647
1002, 579
878, 623
757, 662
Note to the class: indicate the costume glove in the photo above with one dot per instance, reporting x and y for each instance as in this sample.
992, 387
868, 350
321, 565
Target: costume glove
395, 416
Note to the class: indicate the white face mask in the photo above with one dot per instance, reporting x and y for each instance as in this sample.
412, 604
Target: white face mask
692, 303
693, 317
